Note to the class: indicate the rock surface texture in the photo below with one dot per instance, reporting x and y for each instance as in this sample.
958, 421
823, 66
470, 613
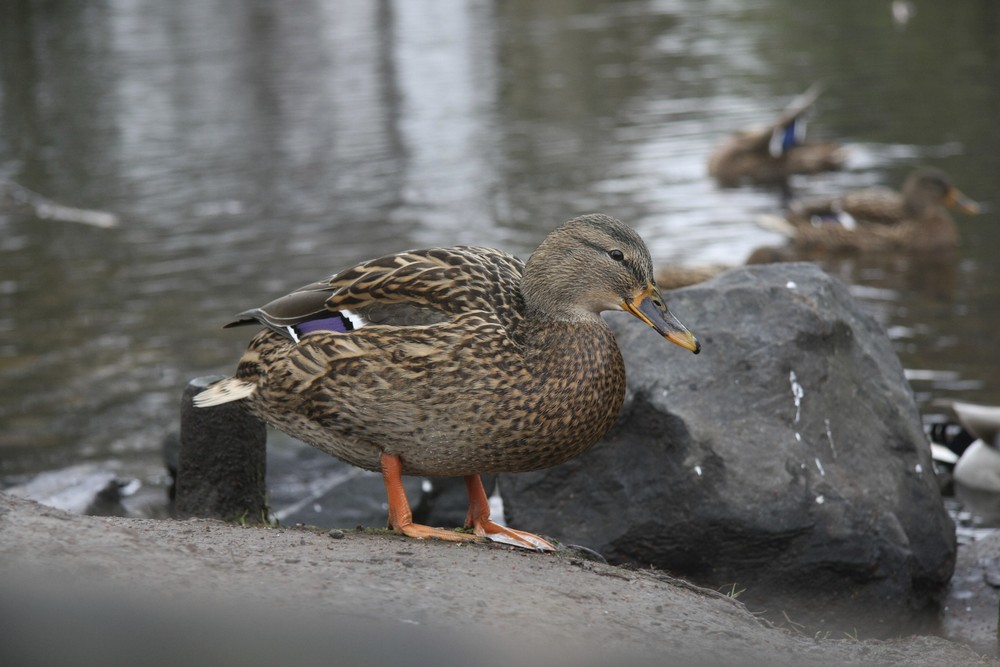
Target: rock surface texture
788, 459
94, 590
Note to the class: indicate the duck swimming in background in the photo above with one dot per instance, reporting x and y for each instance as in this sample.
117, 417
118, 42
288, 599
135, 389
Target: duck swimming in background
455, 361
769, 155
873, 219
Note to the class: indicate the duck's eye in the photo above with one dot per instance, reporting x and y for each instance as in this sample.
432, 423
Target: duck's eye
616, 255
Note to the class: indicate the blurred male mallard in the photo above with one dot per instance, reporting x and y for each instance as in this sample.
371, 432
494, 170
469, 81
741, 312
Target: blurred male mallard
769, 155
916, 218
455, 361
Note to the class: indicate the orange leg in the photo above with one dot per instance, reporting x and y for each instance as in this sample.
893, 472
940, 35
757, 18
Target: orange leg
478, 519
400, 516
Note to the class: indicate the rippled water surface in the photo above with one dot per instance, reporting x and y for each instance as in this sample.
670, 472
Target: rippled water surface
250, 148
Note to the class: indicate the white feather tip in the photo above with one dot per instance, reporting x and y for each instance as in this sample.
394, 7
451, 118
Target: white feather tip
224, 391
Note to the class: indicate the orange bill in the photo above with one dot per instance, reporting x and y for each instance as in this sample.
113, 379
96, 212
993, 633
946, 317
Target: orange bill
649, 307
958, 201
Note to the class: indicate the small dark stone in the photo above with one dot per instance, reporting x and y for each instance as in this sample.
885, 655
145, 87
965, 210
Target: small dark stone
221, 463
336, 534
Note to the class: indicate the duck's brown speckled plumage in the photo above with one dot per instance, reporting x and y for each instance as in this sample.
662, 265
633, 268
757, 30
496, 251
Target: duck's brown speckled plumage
470, 361
455, 398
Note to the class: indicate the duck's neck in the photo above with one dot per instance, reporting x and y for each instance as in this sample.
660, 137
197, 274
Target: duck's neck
915, 209
936, 231
578, 359
578, 348
556, 324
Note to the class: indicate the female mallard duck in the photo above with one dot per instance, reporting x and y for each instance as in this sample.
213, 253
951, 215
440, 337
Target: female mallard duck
455, 361
769, 155
916, 218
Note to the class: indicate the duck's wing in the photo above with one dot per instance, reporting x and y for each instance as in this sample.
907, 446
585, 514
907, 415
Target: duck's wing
789, 129
785, 132
812, 209
413, 288
874, 205
798, 106
861, 207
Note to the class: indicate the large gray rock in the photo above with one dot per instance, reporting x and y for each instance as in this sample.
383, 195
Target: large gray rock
787, 459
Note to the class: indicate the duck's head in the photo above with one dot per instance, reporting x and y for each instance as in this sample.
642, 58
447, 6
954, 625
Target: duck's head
595, 263
927, 189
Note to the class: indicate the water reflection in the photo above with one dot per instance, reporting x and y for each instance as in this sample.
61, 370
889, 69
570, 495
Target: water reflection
249, 149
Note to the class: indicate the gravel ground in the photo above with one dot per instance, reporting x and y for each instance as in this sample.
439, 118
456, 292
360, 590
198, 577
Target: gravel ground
87, 590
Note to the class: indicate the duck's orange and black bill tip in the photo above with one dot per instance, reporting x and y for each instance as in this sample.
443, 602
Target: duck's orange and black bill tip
648, 306
958, 201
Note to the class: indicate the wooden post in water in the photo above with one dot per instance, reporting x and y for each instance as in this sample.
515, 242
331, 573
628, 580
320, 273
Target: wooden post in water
222, 461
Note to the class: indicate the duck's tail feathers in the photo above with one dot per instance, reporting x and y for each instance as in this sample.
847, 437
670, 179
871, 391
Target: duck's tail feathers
224, 391
776, 223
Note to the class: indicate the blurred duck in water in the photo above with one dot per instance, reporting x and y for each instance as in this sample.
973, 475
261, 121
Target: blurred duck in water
769, 155
876, 219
